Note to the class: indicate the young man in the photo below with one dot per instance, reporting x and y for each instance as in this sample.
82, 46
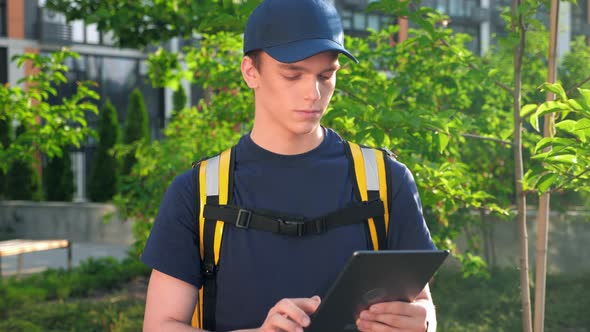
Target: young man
292, 165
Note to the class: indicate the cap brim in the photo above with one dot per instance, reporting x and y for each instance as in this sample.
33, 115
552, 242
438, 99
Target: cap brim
303, 49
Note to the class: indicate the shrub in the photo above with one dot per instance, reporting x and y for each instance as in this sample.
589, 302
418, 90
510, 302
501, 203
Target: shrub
14, 324
5, 132
24, 182
179, 100
102, 185
136, 128
58, 178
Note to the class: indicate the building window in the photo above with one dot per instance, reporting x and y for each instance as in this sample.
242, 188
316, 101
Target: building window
356, 22
3, 66
580, 22
116, 78
474, 45
453, 8
2, 18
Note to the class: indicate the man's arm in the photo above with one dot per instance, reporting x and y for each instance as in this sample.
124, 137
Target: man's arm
171, 302
417, 316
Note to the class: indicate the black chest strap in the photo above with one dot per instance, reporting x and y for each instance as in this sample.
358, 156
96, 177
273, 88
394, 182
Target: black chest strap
289, 225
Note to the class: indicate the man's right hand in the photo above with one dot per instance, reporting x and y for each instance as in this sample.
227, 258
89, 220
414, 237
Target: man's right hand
290, 315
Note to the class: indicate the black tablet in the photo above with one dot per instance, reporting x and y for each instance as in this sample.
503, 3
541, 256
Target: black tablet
371, 277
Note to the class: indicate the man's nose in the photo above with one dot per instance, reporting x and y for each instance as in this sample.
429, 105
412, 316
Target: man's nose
312, 90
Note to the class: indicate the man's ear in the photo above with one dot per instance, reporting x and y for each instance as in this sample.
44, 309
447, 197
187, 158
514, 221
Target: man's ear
249, 72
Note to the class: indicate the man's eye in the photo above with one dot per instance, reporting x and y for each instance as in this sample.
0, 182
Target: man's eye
325, 78
292, 78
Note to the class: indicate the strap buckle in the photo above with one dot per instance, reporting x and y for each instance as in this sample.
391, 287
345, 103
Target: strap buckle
320, 226
243, 219
209, 270
290, 227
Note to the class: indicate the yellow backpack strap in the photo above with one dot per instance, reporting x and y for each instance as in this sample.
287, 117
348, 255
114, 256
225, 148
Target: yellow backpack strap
371, 184
215, 185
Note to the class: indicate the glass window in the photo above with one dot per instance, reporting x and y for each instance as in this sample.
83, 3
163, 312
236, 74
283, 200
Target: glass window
473, 31
359, 22
3, 66
118, 80
2, 18
108, 38
346, 16
78, 31
374, 22
154, 102
579, 14
92, 35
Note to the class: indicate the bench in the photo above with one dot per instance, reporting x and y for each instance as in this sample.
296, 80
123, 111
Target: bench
20, 247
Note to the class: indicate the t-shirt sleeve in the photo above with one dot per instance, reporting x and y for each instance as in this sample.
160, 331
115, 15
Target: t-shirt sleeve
407, 227
172, 246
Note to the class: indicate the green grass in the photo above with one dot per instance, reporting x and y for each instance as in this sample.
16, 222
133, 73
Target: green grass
482, 305
79, 315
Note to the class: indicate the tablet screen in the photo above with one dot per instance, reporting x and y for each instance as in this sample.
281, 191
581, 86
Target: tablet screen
371, 277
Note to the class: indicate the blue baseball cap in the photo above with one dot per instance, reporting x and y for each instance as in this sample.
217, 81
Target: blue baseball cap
294, 30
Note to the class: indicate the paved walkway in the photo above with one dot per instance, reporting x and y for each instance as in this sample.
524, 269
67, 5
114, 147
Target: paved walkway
58, 258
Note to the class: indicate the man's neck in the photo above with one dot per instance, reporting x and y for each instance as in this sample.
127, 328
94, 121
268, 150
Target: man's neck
285, 143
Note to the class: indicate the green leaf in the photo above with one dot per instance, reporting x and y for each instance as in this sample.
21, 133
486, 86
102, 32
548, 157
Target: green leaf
585, 100
563, 158
582, 130
574, 104
552, 106
527, 109
566, 125
556, 88
443, 141
534, 121
545, 182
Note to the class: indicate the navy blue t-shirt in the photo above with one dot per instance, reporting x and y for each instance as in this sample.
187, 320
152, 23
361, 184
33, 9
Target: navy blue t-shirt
258, 268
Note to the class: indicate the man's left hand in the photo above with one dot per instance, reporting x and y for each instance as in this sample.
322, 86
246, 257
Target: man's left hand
395, 317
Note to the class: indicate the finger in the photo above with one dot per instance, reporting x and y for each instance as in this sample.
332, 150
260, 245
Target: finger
277, 322
391, 320
294, 309
308, 305
400, 308
403, 322
374, 326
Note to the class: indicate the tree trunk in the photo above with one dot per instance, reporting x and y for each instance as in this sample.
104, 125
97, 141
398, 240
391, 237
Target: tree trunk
525, 297
544, 203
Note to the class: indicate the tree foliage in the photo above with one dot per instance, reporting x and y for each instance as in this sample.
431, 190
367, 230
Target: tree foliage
24, 181
136, 129
58, 179
179, 100
49, 128
5, 137
138, 24
566, 165
105, 167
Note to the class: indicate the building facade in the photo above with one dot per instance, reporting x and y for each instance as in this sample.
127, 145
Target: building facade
26, 26
478, 18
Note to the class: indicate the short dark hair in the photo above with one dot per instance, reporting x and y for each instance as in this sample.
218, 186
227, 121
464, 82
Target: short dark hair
256, 57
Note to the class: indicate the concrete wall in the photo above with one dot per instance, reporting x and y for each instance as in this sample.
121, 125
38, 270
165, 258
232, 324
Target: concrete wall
568, 243
568, 252
77, 222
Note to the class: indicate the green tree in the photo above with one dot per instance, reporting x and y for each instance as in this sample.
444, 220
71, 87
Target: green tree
179, 100
136, 129
103, 180
5, 134
50, 127
141, 23
24, 182
58, 179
